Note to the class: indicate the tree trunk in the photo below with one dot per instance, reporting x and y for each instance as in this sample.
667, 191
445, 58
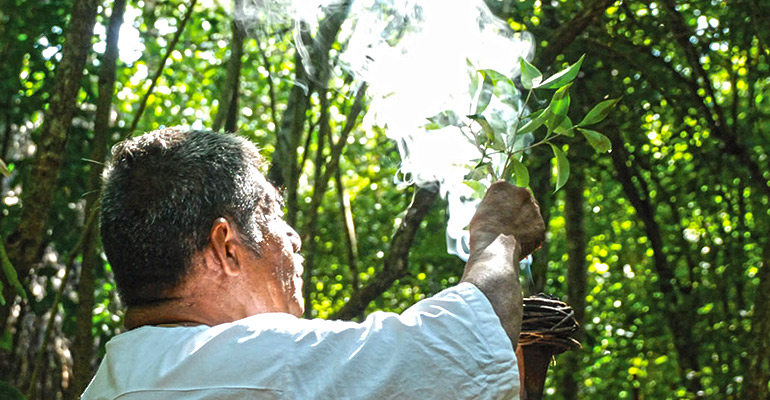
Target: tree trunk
349, 229
83, 347
758, 374
677, 308
25, 244
540, 183
228, 105
574, 224
284, 170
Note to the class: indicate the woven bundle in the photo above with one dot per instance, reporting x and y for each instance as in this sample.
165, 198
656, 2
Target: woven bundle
548, 321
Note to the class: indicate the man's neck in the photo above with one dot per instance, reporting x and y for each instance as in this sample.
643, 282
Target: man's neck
177, 311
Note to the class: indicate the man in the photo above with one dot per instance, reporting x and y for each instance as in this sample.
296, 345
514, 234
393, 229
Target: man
211, 277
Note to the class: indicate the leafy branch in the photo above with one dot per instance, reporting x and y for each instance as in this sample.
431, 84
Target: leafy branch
502, 136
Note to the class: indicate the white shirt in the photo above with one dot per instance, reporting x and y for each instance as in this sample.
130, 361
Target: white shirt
450, 346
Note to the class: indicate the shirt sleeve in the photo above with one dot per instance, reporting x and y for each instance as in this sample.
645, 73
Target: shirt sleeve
451, 345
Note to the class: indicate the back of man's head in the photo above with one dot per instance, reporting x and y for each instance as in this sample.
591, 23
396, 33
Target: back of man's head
162, 192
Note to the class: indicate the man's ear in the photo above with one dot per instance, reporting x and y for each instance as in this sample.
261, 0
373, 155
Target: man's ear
224, 248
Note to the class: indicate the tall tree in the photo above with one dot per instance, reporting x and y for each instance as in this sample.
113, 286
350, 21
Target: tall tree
83, 347
575, 236
25, 244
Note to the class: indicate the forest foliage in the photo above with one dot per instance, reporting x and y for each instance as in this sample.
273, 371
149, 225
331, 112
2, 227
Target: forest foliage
660, 245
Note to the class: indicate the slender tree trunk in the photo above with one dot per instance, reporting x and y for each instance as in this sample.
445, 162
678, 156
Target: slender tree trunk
397, 260
540, 183
677, 306
25, 244
574, 223
284, 170
758, 374
322, 176
349, 231
228, 105
83, 348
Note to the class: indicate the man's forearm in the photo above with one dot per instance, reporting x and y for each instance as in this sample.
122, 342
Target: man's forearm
493, 269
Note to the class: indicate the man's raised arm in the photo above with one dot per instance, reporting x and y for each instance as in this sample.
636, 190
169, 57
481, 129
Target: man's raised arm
506, 227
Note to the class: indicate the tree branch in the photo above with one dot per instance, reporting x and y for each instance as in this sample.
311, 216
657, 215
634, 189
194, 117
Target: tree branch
567, 33
397, 262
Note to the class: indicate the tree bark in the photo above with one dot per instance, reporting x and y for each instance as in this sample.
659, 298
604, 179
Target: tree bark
540, 183
397, 262
83, 347
228, 105
574, 224
25, 244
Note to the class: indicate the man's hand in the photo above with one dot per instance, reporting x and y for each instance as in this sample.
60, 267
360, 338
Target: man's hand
507, 226
508, 210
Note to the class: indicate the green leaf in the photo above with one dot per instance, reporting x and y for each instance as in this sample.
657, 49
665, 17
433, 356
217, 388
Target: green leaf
561, 100
530, 75
10, 272
520, 173
558, 108
565, 128
599, 112
599, 142
483, 94
495, 140
496, 77
537, 121
502, 87
4, 170
478, 189
562, 166
562, 77
443, 119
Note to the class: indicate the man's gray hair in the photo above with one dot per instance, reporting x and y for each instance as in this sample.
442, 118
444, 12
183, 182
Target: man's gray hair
162, 192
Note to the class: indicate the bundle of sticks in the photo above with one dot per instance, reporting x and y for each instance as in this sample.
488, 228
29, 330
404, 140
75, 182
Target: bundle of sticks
548, 321
548, 328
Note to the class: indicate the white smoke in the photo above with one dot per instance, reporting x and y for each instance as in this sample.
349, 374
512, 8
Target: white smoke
418, 58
